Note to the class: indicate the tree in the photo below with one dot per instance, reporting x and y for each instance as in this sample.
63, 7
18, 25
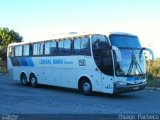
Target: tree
6, 37
154, 68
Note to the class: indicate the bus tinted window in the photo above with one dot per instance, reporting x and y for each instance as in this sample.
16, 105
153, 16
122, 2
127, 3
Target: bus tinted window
67, 46
47, 48
50, 48
60, 46
11, 51
125, 41
53, 47
102, 54
99, 41
35, 49
38, 49
81, 45
18, 51
85, 44
26, 50
30, 49
77, 45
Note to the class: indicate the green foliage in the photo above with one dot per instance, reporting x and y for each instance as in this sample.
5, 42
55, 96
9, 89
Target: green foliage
153, 73
6, 37
153, 82
149, 76
154, 68
2, 67
2, 70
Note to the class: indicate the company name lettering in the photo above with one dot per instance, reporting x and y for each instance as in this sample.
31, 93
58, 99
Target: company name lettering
54, 61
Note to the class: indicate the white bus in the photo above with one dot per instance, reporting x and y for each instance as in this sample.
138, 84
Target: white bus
89, 62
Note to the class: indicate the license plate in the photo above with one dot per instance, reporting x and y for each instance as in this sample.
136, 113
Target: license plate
135, 88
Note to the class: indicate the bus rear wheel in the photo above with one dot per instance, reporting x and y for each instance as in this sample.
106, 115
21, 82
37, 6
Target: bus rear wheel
24, 79
86, 87
33, 81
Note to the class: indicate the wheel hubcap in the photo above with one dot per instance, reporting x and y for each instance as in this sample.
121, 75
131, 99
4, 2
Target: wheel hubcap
86, 87
23, 80
33, 80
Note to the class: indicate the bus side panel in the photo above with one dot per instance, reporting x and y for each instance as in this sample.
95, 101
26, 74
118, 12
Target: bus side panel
107, 83
68, 75
96, 79
50, 76
71, 77
16, 73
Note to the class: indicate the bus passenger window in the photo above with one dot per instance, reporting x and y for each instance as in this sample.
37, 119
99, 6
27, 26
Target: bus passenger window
30, 49
60, 46
47, 48
41, 48
50, 48
35, 49
77, 45
18, 51
38, 49
81, 45
26, 50
53, 48
85, 44
67, 46
11, 51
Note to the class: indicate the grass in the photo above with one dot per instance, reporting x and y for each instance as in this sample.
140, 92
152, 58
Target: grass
153, 82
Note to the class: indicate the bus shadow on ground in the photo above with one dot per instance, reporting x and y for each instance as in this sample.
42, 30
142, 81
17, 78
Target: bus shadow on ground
117, 96
129, 95
59, 89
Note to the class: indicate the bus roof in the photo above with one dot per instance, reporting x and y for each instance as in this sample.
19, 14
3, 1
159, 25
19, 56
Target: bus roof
70, 35
123, 33
56, 37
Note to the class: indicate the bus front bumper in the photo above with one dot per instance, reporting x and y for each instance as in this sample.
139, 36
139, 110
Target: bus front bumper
128, 87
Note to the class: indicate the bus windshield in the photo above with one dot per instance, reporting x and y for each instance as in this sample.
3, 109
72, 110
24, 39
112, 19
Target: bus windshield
132, 61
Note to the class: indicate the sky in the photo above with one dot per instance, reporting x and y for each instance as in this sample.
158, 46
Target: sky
41, 19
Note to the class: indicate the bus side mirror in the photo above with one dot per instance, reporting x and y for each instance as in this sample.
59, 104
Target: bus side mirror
149, 50
118, 53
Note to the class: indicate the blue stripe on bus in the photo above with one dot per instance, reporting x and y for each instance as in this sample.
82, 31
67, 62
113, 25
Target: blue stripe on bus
15, 61
30, 62
23, 61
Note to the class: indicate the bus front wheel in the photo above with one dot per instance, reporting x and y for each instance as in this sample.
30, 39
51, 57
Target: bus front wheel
86, 87
33, 81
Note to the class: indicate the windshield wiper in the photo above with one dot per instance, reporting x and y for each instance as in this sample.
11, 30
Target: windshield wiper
133, 64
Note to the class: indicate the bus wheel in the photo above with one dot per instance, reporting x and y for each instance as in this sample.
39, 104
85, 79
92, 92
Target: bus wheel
33, 80
24, 79
86, 87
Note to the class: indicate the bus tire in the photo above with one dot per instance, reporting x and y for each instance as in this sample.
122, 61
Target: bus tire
86, 87
33, 81
24, 79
